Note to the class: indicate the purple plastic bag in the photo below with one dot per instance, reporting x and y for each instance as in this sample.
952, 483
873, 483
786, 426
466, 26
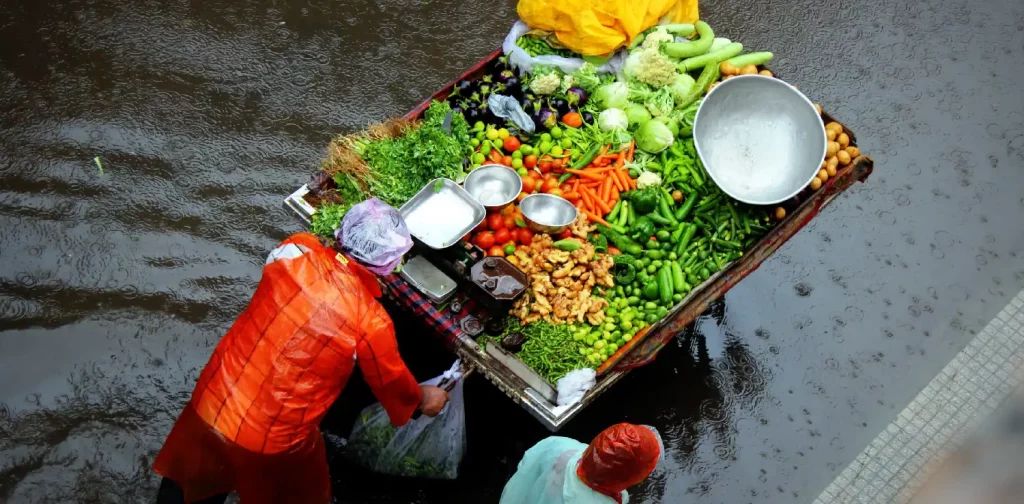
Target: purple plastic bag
375, 234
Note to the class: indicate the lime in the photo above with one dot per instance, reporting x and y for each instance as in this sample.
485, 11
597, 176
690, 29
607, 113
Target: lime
556, 151
517, 163
556, 132
566, 143
492, 135
478, 158
503, 133
545, 137
517, 154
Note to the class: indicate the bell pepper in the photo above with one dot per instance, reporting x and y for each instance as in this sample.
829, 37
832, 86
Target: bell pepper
650, 291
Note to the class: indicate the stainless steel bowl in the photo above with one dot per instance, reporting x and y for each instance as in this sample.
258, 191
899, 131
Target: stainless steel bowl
493, 185
545, 213
759, 138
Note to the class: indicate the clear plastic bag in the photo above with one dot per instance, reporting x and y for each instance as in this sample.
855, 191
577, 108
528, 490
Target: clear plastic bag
375, 234
519, 58
425, 447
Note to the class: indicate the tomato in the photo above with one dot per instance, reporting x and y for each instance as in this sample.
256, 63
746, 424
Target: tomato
467, 237
525, 236
502, 236
510, 249
507, 160
565, 234
572, 120
530, 161
556, 164
549, 184
510, 222
555, 192
495, 222
509, 209
528, 184
496, 251
511, 143
481, 227
485, 240
495, 157
521, 197
545, 164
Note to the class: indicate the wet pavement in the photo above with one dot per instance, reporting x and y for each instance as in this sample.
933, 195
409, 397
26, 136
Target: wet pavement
114, 287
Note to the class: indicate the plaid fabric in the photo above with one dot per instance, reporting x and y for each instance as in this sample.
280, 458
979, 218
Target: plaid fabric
444, 323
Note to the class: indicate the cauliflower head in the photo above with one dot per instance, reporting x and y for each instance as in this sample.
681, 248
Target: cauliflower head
545, 84
648, 179
656, 37
649, 66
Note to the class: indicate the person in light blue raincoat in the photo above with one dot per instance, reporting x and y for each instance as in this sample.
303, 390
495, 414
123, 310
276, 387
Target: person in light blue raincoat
560, 470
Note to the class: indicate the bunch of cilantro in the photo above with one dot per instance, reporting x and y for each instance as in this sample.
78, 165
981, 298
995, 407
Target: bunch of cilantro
401, 166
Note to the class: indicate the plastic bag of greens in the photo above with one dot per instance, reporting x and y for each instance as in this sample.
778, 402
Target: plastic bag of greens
519, 58
425, 447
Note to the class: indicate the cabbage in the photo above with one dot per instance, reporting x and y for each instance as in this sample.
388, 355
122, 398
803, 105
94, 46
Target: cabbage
612, 95
612, 119
681, 86
653, 137
637, 114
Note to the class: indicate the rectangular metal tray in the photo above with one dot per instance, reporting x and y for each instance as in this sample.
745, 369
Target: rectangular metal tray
448, 205
428, 279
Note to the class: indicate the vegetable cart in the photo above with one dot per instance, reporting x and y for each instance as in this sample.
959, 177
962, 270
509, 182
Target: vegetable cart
528, 388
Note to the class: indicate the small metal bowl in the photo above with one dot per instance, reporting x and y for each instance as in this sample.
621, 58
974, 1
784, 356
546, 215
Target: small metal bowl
759, 138
545, 213
493, 185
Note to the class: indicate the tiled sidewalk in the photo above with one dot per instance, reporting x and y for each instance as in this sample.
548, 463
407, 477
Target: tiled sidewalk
950, 407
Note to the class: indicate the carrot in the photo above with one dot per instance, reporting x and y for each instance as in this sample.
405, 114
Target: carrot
585, 196
596, 218
632, 149
632, 182
598, 171
596, 201
615, 193
576, 185
614, 251
616, 180
585, 174
606, 189
624, 176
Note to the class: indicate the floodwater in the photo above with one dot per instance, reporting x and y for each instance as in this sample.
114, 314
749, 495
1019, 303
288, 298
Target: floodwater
115, 286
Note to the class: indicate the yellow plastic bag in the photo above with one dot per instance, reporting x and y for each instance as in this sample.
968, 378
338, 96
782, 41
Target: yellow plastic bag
598, 27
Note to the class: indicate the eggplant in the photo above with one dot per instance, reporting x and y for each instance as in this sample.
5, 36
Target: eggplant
588, 117
560, 105
545, 119
457, 109
472, 114
505, 75
514, 87
576, 96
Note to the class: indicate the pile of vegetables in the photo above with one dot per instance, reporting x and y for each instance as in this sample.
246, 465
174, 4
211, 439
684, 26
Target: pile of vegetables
619, 148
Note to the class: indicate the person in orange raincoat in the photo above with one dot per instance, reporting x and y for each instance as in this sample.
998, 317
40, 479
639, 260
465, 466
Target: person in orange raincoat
560, 470
252, 423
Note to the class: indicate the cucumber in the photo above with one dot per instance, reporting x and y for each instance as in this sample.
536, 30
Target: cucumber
712, 58
754, 58
705, 37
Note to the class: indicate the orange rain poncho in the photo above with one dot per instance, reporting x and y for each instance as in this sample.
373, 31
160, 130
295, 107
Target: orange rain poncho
252, 422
